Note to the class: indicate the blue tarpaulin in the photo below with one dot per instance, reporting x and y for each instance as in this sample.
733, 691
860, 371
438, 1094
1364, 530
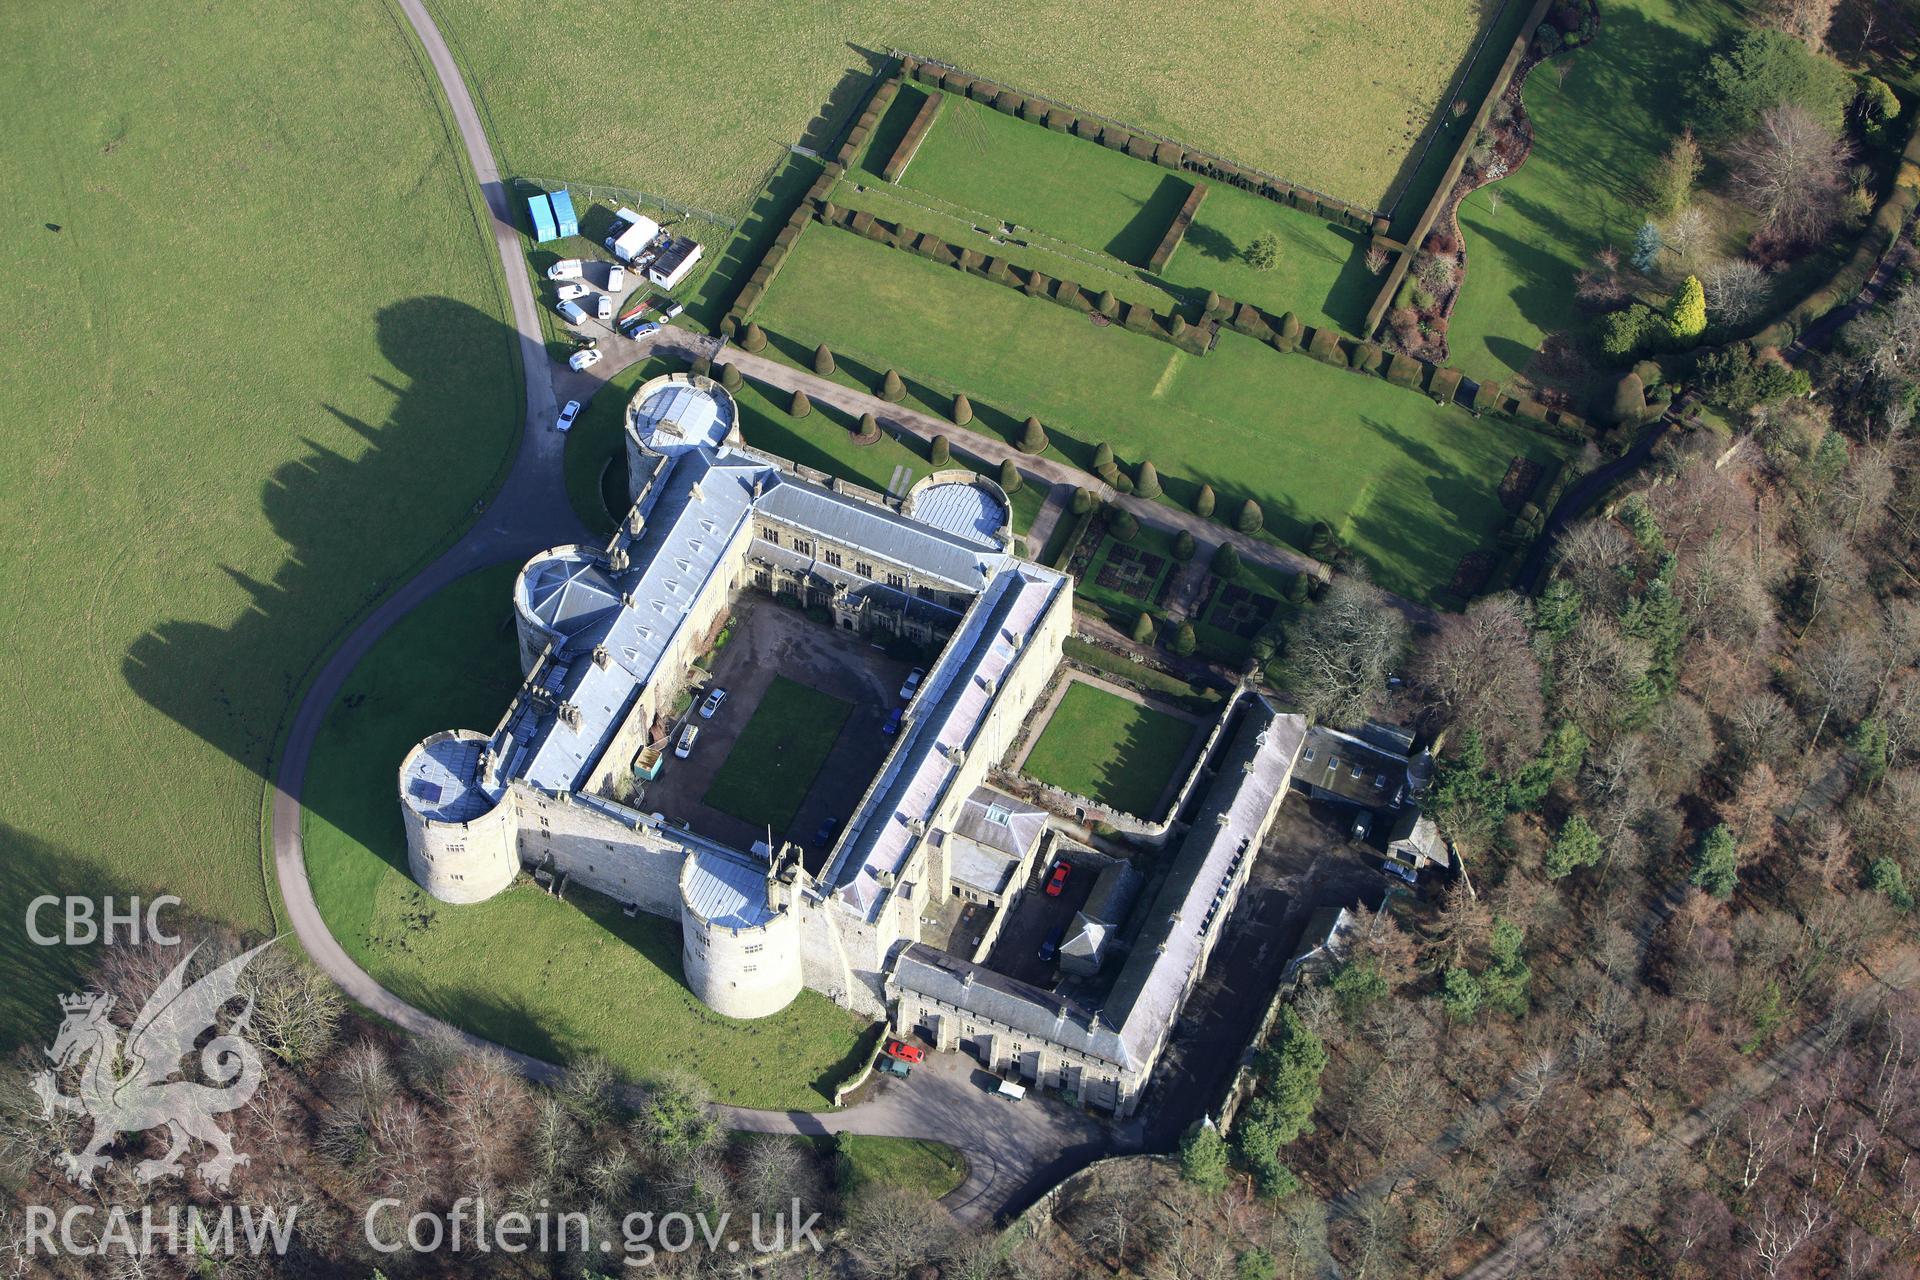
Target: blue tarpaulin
542, 219
563, 215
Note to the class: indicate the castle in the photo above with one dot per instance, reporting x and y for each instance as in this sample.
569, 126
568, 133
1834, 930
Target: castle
608, 639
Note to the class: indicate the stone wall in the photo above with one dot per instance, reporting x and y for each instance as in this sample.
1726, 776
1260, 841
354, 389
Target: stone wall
609, 848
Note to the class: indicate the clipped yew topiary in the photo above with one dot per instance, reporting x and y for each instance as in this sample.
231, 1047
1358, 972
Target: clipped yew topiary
1320, 540
1146, 482
1251, 518
754, 340
799, 406
1203, 502
1226, 563
1106, 304
869, 431
892, 390
823, 360
962, 412
1033, 438
1083, 501
1629, 400
1289, 332
1143, 628
1103, 465
1124, 526
1010, 479
700, 366
1184, 546
1365, 357
729, 377
939, 453
1184, 641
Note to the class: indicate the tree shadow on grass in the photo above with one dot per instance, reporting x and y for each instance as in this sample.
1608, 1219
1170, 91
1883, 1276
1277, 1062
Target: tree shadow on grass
1210, 242
847, 94
354, 530
34, 977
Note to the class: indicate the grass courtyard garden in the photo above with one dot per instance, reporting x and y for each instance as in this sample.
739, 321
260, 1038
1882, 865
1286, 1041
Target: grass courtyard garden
867, 1164
774, 761
1408, 484
549, 977
1110, 749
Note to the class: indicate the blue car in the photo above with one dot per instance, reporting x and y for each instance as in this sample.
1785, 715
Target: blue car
892, 726
1051, 947
641, 330
828, 829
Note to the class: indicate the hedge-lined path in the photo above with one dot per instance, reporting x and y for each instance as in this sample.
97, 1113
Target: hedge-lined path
994, 451
1009, 1163
1041, 530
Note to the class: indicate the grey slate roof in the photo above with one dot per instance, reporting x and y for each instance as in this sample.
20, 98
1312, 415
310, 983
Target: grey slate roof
726, 889
1353, 770
994, 996
999, 821
965, 510
888, 536
1096, 923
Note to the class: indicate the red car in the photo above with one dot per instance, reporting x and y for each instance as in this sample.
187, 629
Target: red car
905, 1052
1058, 880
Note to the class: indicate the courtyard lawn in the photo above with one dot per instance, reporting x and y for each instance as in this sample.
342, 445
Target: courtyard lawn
236, 412
1331, 98
869, 1164
1597, 134
552, 978
778, 755
1100, 745
1410, 485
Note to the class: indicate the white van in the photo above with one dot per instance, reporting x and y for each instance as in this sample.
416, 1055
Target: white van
1010, 1091
570, 312
616, 278
603, 308
566, 269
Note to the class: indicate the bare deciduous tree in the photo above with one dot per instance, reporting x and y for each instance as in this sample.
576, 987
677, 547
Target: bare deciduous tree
1792, 171
1339, 656
1805, 20
1736, 289
894, 1230
1479, 670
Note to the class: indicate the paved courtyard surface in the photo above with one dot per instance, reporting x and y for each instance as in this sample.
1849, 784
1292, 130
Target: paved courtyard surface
1016, 952
768, 640
1306, 863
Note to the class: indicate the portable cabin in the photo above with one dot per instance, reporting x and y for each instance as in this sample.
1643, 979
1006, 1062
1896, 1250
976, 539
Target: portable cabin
564, 219
542, 214
673, 263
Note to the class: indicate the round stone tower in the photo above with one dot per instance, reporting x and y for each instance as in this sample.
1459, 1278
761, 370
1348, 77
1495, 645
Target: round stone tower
558, 593
675, 412
462, 845
740, 942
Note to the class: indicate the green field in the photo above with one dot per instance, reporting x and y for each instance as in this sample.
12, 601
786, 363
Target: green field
915, 1164
718, 94
1408, 484
553, 978
238, 408
978, 165
1107, 748
778, 755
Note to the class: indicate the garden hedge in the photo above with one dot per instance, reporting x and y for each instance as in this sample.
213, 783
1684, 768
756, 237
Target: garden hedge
1880, 236
916, 134
875, 107
1177, 229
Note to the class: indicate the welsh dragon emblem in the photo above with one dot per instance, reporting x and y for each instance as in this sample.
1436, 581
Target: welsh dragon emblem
129, 1088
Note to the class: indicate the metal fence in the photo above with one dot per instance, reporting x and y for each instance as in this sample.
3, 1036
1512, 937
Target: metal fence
530, 183
1187, 147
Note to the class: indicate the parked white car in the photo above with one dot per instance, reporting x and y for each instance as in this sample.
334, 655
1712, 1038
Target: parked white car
566, 269
688, 737
712, 704
616, 278
568, 292
580, 360
567, 415
570, 312
912, 685
603, 307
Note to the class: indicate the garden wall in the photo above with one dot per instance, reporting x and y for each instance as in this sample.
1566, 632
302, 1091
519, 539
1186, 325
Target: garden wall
1443, 194
1177, 230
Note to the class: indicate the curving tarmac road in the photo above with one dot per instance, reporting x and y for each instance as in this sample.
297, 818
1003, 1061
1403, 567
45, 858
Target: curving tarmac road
1012, 1153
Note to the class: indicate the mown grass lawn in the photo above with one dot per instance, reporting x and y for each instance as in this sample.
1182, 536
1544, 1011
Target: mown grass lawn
1596, 136
778, 755
870, 1164
1114, 208
1409, 485
553, 978
239, 405
716, 103
1107, 748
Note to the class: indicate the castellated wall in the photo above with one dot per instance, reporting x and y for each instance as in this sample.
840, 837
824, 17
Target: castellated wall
610, 849
460, 861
